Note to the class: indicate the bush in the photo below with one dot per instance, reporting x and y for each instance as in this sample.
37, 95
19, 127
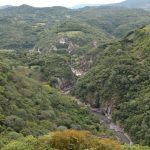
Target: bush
77, 140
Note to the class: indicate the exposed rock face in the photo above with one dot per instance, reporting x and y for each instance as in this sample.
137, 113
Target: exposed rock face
63, 40
62, 83
95, 44
53, 48
65, 43
76, 72
32, 50
84, 64
72, 47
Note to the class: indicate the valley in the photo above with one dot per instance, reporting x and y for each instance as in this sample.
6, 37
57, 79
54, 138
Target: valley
75, 79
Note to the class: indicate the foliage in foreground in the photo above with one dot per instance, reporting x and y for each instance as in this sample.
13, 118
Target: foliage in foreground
135, 147
63, 140
78, 140
60, 140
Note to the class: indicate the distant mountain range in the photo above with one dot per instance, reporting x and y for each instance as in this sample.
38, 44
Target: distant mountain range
4, 7
84, 5
143, 4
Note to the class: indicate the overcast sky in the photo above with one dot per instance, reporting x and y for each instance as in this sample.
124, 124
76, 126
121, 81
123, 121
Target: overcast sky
48, 3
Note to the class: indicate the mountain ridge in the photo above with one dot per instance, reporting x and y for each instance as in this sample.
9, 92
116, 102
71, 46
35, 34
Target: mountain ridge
139, 4
5, 6
57, 63
133, 4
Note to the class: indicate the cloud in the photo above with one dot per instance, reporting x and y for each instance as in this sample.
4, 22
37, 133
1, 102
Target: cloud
48, 3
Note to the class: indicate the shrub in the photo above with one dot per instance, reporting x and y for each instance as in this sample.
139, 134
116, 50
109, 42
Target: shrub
77, 140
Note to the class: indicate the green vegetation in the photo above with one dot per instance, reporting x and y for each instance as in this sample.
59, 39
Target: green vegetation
115, 21
29, 107
119, 83
41, 49
71, 35
52, 68
63, 140
135, 147
21, 26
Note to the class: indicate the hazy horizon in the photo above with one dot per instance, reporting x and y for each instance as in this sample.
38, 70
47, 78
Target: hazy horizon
65, 3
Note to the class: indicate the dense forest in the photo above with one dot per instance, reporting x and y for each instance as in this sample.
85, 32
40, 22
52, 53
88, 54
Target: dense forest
67, 76
119, 82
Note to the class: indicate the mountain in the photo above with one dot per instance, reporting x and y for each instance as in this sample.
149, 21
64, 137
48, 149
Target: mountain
143, 4
21, 31
23, 28
84, 5
30, 106
118, 83
114, 20
6, 6
59, 67
72, 35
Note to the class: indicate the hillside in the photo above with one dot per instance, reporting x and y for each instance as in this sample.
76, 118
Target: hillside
115, 21
118, 83
138, 4
142, 4
4, 7
21, 26
74, 79
30, 107
83, 5
71, 35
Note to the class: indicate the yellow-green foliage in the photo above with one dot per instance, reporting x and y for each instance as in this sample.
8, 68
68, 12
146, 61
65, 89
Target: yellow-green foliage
71, 34
78, 140
27, 143
135, 147
64, 140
